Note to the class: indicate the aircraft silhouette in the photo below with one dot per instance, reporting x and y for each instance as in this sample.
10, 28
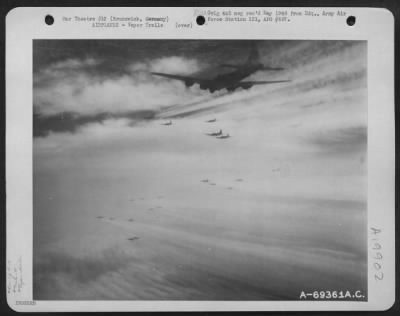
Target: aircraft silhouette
215, 134
133, 238
167, 124
232, 80
211, 121
99, 217
223, 136
205, 180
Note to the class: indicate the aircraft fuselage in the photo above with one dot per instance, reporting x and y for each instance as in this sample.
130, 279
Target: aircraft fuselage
229, 80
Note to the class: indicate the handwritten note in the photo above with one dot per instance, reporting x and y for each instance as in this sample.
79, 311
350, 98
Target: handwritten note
15, 280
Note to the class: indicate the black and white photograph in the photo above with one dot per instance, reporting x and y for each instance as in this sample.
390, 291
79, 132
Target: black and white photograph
200, 170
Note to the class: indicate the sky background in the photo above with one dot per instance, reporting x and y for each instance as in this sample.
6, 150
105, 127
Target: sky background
287, 211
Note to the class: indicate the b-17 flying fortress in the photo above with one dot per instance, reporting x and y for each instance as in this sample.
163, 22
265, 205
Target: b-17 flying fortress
215, 134
232, 80
224, 136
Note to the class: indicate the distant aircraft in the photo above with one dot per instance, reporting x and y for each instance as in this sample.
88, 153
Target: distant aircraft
239, 180
211, 121
131, 220
232, 80
99, 217
133, 238
223, 136
215, 134
167, 124
205, 180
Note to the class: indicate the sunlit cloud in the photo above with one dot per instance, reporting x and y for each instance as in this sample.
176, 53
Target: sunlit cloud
67, 86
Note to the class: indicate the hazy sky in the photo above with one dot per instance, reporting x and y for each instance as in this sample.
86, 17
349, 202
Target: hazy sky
300, 148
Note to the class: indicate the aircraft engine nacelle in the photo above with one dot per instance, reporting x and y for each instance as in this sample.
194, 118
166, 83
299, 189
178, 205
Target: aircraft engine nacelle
189, 83
246, 86
203, 86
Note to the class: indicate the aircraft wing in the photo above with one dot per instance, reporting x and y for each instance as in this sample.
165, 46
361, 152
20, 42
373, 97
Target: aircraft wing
248, 84
262, 68
272, 68
187, 80
231, 66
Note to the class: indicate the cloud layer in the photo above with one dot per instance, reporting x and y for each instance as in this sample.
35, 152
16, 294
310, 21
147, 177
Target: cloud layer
74, 86
299, 148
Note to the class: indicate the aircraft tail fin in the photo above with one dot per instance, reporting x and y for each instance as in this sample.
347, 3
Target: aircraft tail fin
254, 56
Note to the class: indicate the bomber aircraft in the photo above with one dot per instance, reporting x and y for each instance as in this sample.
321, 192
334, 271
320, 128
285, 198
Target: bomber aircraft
232, 80
223, 136
216, 133
167, 123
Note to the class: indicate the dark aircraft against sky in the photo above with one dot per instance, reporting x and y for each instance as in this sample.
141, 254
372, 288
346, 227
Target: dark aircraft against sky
232, 80
223, 136
216, 133
167, 123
